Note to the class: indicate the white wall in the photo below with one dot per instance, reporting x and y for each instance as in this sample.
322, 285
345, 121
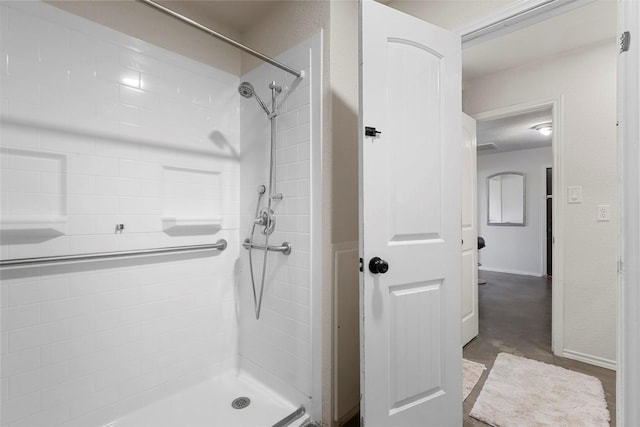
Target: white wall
288, 27
342, 208
295, 22
338, 20
584, 83
142, 22
518, 250
450, 14
279, 345
100, 129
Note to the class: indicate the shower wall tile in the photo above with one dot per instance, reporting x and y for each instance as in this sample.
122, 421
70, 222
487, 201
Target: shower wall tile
94, 124
34, 336
4, 389
20, 317
20, 407
280, 342
19, 362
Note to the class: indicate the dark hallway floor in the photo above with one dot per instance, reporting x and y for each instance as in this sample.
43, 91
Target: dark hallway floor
515, 317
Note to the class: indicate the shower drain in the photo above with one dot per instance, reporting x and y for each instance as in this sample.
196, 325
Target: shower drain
240, 403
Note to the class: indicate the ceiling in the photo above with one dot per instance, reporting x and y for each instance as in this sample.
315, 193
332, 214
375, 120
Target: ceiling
586, 25
513, 133
592, 23
233, 16
578, 28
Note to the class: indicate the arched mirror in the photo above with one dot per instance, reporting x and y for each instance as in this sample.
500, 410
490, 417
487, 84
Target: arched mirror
506, 199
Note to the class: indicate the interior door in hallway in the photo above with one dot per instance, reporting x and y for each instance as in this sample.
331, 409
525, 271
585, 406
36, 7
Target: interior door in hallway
469, 205
549, 227
410, 106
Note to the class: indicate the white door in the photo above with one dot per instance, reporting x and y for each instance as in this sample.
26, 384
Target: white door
411, 359
469, 231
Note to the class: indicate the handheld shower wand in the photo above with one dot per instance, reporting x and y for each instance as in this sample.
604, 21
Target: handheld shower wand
246, 90
264, 218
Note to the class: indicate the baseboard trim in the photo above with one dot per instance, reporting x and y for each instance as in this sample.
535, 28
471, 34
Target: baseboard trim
505, 270
592, 360
348, 415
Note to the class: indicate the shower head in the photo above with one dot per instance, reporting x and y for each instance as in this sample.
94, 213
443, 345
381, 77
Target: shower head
246, 90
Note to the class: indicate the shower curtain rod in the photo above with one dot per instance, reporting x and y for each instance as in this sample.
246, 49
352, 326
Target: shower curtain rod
222, 37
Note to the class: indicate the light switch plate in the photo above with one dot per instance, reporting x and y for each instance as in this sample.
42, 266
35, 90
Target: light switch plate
603, 213
574, 194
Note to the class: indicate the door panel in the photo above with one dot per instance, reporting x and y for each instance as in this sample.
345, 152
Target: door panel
416, 209
415, 335
549, 179
469, 231
410, 216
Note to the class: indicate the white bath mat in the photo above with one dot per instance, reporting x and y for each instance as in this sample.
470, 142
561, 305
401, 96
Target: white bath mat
523, 392
471, 373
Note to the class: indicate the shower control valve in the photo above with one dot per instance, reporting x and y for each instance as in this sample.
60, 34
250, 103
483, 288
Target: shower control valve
261, 220
267, 220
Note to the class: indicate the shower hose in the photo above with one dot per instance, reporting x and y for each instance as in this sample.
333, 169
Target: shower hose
257, 298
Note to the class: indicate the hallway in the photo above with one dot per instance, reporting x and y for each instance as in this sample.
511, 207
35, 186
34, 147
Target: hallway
515, 317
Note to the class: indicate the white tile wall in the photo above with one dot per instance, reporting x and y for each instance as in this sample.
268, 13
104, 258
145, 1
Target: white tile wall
280, 342
90, 119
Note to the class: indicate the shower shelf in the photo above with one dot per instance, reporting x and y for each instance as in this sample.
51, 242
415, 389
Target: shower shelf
285, 248
35, 223
186, 225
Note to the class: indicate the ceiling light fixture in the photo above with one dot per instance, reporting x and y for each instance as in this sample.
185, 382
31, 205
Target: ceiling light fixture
544, 128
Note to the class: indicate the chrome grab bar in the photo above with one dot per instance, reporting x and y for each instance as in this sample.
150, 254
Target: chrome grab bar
219, 245
286, 421
285, 248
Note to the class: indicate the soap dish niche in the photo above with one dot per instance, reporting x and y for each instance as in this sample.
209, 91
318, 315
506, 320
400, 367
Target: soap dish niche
177, 226
32, 229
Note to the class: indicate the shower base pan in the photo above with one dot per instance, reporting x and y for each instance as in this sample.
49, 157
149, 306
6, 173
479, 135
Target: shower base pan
210, 404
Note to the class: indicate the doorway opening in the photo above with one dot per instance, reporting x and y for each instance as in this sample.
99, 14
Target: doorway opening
518, 149
535, 81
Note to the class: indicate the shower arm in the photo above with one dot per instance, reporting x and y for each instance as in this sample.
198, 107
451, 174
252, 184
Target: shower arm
224, 38
262, 104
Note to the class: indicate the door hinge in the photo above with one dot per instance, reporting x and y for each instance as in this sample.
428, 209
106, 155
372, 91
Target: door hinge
371, 131
620, 266
625, 41
361, 264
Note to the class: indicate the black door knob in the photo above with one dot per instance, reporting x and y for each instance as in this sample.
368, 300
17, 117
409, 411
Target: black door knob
378, 265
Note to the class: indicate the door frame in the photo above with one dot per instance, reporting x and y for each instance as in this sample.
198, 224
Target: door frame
544, 217
628, 336
557, 293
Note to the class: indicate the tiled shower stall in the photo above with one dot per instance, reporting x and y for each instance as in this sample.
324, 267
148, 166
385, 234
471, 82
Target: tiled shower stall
109, 143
